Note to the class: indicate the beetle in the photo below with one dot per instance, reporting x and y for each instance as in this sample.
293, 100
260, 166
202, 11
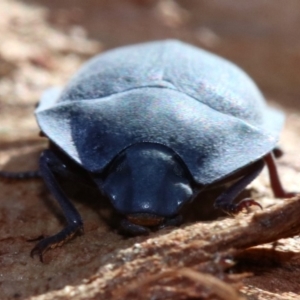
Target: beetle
153, 125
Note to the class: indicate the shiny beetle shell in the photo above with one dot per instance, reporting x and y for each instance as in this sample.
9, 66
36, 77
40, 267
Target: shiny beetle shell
201, 106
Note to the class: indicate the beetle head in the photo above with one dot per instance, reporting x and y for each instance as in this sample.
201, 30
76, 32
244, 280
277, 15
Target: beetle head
148, 183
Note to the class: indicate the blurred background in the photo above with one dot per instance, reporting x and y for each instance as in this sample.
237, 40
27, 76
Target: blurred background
262, 36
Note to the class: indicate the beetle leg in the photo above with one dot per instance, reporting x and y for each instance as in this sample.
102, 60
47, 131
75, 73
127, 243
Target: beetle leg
226, 200
278, 152
19, 175
276, 185
74, 223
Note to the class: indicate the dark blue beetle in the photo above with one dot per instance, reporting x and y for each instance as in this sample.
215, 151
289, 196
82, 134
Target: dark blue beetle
153, 125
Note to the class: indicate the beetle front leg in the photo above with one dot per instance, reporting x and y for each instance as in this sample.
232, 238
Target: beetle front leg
74, 223
226, 200
6, 175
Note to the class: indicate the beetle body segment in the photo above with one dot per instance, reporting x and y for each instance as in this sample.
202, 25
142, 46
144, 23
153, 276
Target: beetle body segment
199, 105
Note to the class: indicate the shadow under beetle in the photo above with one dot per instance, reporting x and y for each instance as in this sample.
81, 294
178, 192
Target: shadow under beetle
153, 125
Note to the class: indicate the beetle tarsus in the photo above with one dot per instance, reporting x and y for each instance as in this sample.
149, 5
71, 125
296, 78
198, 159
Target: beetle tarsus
235, 208
226, 200
56, 240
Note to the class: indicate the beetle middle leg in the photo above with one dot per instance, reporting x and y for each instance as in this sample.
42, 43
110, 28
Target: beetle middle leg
276, 185
48, 161
226, 200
